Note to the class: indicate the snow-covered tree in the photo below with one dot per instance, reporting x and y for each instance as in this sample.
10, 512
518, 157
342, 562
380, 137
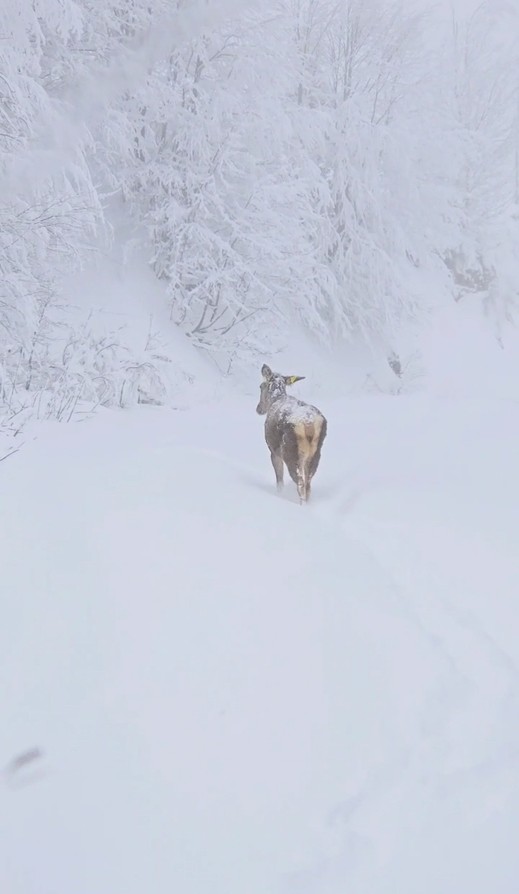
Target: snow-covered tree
211, 174
360, 113
483, 104
48, 204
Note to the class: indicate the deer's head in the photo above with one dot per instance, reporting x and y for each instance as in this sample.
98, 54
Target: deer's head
273, 386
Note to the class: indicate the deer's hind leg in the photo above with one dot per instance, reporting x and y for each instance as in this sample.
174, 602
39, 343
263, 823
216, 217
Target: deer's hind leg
313, 462
295, 459
277, 462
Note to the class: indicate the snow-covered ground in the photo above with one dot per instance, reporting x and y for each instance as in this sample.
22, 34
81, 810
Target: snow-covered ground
230, 693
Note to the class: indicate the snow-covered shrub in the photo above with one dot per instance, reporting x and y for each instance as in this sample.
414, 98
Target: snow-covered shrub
49, 207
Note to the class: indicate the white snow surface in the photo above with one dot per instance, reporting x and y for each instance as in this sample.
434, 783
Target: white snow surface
231, 693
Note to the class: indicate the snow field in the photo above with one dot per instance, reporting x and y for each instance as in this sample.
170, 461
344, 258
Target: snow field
235, 693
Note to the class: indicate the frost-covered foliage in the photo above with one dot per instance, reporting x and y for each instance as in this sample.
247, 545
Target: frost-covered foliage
52, 56
218, 191
357, 67
268, 167
334, 166
483, 110
309, 163
48, 204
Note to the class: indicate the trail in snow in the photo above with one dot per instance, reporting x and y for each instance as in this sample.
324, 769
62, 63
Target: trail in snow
228, 691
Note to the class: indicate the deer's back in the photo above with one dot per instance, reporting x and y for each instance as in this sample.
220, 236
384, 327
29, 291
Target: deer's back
292, 414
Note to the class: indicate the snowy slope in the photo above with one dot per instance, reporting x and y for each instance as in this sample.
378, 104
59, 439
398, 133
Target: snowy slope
232, 693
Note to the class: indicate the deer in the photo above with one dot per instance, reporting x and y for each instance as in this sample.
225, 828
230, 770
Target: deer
294, 431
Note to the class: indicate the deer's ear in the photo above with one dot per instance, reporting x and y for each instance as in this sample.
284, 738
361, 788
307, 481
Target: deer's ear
291, 380
266, 372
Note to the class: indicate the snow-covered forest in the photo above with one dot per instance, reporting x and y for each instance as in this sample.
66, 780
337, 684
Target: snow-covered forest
206, 687
336, 169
